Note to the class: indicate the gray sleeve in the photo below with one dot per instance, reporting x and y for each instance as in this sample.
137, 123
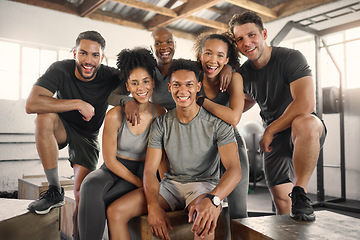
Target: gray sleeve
119, 96
156, 134
225, 134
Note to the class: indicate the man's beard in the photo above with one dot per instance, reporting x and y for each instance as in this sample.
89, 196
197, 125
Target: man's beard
80, 69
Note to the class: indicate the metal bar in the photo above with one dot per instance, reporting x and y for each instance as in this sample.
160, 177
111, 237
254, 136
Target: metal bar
27, 160
331, 166
331, 11
17, 142
342, 42
17, 133
319, 110
342, 207
342, 124
287, 28
341, 27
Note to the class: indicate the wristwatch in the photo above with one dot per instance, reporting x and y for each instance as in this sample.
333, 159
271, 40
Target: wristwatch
214, 199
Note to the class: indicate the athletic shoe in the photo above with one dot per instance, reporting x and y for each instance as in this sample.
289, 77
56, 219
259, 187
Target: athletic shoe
49, 199
301, 208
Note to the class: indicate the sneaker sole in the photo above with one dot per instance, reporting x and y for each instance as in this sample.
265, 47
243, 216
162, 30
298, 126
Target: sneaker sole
303, 216
60, 204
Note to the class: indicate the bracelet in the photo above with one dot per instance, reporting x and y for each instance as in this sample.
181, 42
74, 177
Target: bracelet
200, 101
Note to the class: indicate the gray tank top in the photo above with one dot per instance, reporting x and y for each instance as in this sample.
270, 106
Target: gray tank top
130, 145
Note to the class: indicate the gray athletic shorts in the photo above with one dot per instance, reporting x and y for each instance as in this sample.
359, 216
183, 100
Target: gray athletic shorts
278, 163
180, 195
82, 150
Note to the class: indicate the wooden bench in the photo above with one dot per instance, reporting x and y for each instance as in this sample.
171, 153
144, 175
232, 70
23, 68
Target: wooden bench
328, 225
16, 222
140, 229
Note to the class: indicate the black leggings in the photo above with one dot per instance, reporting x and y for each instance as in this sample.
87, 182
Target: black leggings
98, 190
237, 199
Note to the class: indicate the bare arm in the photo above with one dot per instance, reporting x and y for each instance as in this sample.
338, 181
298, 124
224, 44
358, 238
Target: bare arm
206, 212
41, 100
231, 114
157, 217
303, 94
230, 159
249, 102
225, 77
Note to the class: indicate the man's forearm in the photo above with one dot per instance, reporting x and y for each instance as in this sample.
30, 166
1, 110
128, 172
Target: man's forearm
227, 183
285, 120
46, 104
151, 188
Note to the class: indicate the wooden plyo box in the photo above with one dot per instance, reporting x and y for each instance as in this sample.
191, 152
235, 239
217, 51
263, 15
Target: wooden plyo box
17, 223
328, 225
140, 228
66, 215
30, 187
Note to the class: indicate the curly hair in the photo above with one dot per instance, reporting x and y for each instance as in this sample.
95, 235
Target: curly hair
128, 60
232, 53
184, 64
245, 17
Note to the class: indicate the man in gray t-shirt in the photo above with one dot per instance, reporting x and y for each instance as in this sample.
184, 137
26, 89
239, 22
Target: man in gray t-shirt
193, 141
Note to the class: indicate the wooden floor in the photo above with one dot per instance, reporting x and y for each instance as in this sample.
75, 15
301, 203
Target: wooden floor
328, 225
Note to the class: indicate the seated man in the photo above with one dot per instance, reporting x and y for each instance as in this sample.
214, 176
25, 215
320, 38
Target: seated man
194, 141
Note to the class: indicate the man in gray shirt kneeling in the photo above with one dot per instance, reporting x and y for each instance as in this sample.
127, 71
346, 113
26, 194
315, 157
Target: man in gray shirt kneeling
193, 141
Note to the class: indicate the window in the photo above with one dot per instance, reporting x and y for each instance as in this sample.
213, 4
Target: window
9, 70
22, 64
344, 46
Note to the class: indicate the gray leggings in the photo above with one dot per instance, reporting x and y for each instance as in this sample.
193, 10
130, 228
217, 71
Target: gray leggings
98, 190
237, 199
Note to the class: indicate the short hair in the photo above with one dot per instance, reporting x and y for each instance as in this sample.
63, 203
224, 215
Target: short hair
128, 60
184, 64
93, 36
246, 17
232, 53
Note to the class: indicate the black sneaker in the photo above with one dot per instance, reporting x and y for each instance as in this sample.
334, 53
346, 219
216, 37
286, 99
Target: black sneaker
49, 199
301, 208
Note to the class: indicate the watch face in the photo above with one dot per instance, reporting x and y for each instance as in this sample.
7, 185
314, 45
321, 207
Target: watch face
216, 200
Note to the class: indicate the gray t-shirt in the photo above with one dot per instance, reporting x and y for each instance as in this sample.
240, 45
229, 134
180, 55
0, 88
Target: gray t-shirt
192, 149
161, 94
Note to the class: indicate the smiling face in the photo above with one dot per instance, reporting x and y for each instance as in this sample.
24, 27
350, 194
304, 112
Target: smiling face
88, 57
213, 57
140, 84
250, 40
164, 46
184, 86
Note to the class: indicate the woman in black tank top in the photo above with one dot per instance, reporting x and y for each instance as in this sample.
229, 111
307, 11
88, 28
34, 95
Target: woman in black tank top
213, 52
